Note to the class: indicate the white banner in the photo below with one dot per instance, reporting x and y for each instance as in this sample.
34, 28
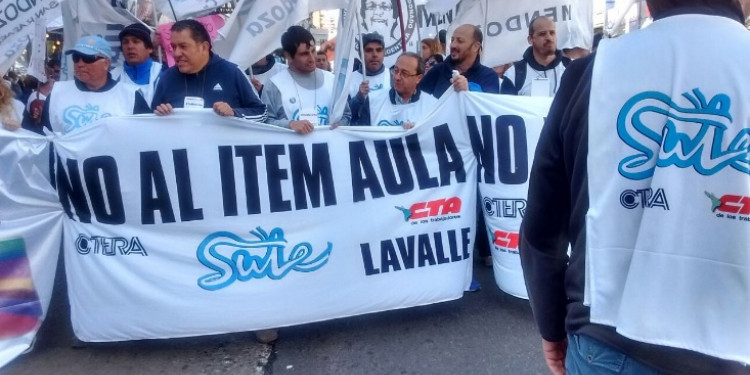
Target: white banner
17, 20
257, 23
257, 227
93, 17
344, 60
505, 25
30, 233
181, 9
333, 224
504, 134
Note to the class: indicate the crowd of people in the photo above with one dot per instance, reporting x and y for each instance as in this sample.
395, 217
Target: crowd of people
297, 95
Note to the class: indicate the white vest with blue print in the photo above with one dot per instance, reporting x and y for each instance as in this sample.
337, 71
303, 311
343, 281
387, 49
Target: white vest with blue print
147, 89
378, 83
71, 108
384, 113
320, 98
668, 225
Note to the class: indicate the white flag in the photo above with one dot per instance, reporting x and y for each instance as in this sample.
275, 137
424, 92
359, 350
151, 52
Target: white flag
254, 29
38, 53
440, 6
93, 17
344, 59
506, 25
18, 26
181, 9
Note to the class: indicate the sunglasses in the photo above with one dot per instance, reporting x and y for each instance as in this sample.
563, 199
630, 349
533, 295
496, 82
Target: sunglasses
87, 59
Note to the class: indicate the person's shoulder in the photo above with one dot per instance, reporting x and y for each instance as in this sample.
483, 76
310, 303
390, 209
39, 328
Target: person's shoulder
577, 68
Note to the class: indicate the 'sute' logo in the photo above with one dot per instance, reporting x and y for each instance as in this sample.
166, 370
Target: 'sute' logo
424, 210
506, 240
231, 257
731, 204
645, 198
664, 134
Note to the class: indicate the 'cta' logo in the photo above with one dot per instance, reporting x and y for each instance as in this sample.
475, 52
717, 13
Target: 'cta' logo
731, 204
431, 209
645, 198
507, 241
109, 246
231, 258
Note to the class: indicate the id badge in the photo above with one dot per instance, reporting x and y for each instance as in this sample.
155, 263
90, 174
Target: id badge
193, 102
540, 87
309, 114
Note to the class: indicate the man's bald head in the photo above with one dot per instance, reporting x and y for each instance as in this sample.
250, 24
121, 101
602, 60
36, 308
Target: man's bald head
543, 36
466, 43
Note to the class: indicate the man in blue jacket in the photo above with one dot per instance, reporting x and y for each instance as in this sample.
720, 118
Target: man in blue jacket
466, 43
202, 79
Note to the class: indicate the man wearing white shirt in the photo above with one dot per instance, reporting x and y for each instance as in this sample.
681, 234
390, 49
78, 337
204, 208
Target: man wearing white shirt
377, 77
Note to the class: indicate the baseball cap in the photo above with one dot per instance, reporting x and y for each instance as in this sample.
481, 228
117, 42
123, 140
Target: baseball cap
372, 37
92, 45
139, 31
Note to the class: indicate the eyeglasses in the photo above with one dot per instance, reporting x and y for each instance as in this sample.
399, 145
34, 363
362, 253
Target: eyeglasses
402, 73
87, 59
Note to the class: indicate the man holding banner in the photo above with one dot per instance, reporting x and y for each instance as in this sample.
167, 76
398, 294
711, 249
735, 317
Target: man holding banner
306, 96
542, 66
402, 105
202, 79
627, 172
466, 45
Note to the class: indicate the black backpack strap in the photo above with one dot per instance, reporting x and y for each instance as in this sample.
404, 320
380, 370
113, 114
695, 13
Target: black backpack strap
520, 78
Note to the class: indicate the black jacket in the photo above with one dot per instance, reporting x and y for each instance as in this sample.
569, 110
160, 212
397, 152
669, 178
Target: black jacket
555, 216
218, 81
437, 80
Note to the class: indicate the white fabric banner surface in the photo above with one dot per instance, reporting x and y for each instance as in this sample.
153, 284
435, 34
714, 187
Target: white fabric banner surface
188, 230
225, 235
93, 17
504, 134
17, 20
181, 9
505, 25
667, 230
30, 234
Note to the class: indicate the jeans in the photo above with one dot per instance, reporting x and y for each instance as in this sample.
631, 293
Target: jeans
586, 356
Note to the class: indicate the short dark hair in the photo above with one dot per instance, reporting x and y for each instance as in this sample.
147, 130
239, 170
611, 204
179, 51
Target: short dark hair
321, 53
53, 63
420, 61
197, 31
293, 37
478, 36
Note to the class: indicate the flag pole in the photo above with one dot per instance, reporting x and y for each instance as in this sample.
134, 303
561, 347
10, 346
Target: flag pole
401, 24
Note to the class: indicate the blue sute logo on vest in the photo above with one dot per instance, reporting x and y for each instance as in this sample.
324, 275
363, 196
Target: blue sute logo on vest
377, 87
687, 137
389, 123
231, 258
75, 117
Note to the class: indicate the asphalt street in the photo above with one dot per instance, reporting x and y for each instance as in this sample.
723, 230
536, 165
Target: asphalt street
485, 332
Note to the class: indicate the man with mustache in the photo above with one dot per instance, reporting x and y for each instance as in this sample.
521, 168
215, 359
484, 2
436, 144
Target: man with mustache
377, 16
466, 44
542, 66
376, 77
202, 79
139, 68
